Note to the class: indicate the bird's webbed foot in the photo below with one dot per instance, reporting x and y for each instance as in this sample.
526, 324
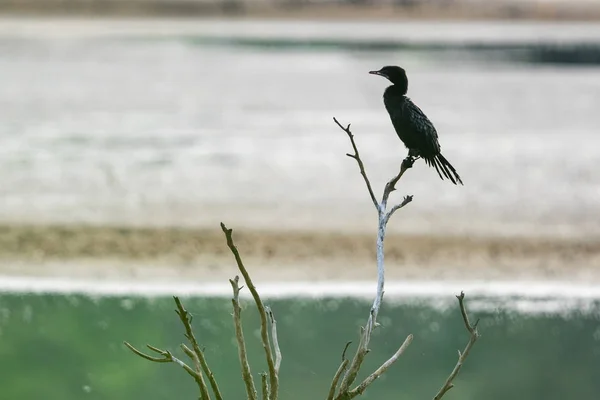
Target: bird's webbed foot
409, 161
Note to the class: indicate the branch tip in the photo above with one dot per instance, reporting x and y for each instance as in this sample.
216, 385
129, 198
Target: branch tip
271, 362
358, 160
345, 349
462, 356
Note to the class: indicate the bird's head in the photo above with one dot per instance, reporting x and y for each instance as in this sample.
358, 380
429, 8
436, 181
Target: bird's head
394, 74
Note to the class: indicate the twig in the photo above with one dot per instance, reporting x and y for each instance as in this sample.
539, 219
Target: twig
186, 320
265, 386
361, 166
190, 353
345, 349
381, 370
275, 340
239, 334
474, 335
355, 364
264, 334
338, 373
407, 199
146, 356
336, 378
391, 185
167, 357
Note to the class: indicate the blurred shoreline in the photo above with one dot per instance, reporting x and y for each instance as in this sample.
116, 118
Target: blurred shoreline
83, 251
356, 10
72, 164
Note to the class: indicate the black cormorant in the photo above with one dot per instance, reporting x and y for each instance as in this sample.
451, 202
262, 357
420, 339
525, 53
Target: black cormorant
412, 125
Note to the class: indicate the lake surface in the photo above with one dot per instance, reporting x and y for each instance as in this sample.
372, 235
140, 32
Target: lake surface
70, 346
189, 123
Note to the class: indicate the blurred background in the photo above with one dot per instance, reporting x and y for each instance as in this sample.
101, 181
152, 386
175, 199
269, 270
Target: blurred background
130, 129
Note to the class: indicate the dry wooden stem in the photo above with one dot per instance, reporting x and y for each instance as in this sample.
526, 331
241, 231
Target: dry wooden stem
338, 373
278, 356
198, 357
167, 357
407, 199
383, 218
357, 391
239, 335
265, 386
361, 166
264, 334
473, 336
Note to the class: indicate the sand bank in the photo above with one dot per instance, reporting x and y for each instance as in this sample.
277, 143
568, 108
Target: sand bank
382, 10
201, 255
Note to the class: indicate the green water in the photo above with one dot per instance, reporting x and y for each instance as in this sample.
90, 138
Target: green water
70, 347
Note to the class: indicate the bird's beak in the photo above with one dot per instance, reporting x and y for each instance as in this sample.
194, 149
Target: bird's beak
376, 73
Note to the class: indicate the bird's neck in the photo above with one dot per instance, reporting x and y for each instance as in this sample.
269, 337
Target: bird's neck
396, 90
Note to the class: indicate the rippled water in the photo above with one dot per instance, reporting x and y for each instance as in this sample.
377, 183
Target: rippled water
108, 129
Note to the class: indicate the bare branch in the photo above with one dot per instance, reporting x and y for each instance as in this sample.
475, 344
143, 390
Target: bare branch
381, 370
336, 378
167, 357
264, 334
265, 386
383, 218
275, 339
391, 185
361, 166
474, 335
145, 356
345, 349
355, 364
339, 372
199, 358
190, 353
239, 334
407, 199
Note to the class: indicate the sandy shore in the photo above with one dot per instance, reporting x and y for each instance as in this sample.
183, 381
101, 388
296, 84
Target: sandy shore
441, 10
201, 255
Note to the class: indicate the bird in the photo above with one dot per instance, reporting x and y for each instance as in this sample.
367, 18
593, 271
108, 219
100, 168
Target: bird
412, 125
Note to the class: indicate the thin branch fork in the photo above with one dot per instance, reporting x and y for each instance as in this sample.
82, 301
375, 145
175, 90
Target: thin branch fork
338, 374
357, 391
361, 166
473, 336
198, 354
167, 357
389, 187
273, 363
241, 342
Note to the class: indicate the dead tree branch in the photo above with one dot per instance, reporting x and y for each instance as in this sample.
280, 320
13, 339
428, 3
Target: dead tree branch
361, 166
199, 359
167, 357
241, 342
473, 336
338, 373
265, 386
383, 218
264, 333
275, 340
196, 355
357, 391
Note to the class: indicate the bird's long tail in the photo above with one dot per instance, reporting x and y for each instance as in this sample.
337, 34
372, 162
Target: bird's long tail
443, 168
